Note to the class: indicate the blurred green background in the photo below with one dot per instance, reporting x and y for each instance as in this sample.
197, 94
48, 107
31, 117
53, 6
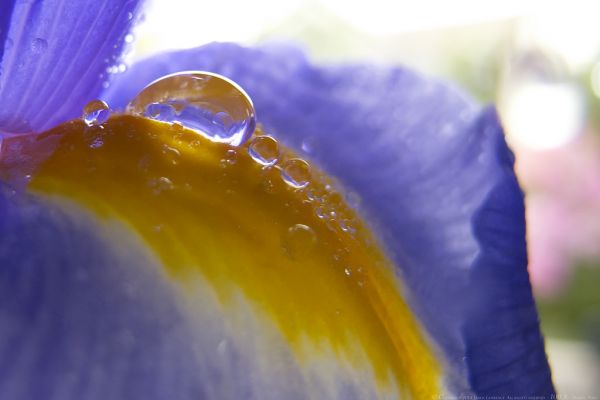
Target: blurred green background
538, 61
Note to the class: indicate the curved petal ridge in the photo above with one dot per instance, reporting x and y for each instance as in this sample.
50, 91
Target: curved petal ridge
435, 178
55, 58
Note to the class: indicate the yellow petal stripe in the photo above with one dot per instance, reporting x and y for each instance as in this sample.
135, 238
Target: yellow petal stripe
301, 257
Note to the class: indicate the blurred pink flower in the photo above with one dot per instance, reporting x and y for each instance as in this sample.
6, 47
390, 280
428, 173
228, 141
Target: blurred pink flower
563, 209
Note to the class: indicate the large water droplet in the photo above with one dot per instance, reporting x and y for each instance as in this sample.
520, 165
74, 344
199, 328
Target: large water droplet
296, 173
299, 240
207, 103
95, 113
264, 150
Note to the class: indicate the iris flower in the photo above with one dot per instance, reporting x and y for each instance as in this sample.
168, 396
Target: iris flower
140, 260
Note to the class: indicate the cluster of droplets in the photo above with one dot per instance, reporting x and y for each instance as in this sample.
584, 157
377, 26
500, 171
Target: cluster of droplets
207, 103
299, 240
219, 110
327, 207
117, 62
295, 172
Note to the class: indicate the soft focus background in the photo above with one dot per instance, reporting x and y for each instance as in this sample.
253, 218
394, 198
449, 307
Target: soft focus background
538, 61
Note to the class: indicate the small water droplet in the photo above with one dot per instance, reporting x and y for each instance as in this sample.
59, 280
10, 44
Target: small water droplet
308, 145
230, 158
160, 185
129, 38
206, 103
39, 45
95, 113
96, 143
346, 226
299, 240
171, 154
296, 173
158, 228
264, 150
222, 347
353, 199
321, 213
129, 16
347, 271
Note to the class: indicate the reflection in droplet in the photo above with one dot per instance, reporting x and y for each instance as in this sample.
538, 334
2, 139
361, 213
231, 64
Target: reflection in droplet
160, 112
264, 150
207, 103
296, 173
95, 113
299, 240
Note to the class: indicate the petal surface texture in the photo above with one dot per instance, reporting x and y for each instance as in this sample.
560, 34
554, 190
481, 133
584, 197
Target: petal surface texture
145, 261
54, 56
436, 182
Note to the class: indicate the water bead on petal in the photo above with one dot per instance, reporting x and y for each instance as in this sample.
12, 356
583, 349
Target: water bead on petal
206, 103
296, 173
39, 45
264, 150
299, 240
95, 113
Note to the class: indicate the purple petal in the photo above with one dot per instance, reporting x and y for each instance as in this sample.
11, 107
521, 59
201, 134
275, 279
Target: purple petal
436, 181
62, 336
54, 56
